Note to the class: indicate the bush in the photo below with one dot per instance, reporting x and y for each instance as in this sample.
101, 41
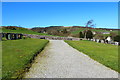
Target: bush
81, 35
89, 34
99, 36
65, 31
117, 38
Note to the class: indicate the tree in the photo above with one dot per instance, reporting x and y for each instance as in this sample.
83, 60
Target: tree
99, 36
89, 34
113, 34
65, 31
117, 38
89, 23
81, 35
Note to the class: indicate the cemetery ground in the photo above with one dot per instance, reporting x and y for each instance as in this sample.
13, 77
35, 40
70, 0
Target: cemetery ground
60, 60
105, 54
17, 54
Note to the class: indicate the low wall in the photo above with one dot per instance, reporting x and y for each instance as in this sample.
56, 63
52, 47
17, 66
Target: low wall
50, 37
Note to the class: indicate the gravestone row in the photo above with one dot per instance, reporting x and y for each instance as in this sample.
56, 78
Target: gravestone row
11, 36
105, 41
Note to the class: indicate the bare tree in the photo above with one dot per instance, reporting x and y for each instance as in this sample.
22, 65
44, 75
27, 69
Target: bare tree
89, 23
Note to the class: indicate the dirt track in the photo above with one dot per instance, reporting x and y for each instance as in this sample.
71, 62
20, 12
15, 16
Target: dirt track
59, 60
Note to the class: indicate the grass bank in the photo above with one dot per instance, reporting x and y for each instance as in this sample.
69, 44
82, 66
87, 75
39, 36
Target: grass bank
106, 54
17, 54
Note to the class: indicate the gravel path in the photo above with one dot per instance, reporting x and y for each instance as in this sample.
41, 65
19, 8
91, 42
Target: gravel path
59, 60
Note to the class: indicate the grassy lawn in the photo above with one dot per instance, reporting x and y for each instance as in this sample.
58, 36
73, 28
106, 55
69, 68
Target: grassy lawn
16, 55
106, 54
0, 59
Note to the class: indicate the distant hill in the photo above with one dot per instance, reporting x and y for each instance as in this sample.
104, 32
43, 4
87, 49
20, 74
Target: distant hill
15, 29
72, 31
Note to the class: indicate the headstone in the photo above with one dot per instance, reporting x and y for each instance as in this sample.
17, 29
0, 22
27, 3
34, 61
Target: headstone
0, 36
20, 36
12, 36
17, 36
116, 43
8, 36
106, 41
102, 41
3, 34
93, 39
97, 40
42, 37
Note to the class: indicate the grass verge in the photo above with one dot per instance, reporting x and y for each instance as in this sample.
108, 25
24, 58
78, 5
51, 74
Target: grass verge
17, 54
105, 54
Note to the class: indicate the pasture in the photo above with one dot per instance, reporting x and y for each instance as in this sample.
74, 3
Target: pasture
25, 31
94, 30
105, 54
16, 55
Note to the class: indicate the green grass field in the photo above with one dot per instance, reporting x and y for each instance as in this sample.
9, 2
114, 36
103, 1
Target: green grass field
106, 54
16, 55
82, 29
22, 31
0, 59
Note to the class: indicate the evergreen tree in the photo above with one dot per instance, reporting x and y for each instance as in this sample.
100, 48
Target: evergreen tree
65, 31
81, 35
117, 38
89, 34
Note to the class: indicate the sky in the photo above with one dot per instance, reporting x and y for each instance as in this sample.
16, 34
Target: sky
44, 14
60, 0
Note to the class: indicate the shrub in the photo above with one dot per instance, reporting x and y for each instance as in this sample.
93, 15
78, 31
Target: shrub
117, 38
81, 35
99, 36
89, 34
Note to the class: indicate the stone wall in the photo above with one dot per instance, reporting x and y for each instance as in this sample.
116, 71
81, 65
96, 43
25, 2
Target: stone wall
50, 37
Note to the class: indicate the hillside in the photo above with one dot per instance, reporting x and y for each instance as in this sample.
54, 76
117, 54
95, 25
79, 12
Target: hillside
58, 30
73, 31
20, 30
